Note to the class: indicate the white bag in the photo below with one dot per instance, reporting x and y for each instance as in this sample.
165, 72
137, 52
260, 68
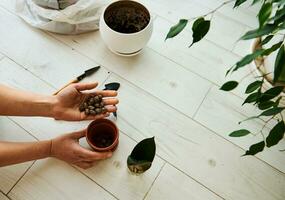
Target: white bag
80, 17
55, 4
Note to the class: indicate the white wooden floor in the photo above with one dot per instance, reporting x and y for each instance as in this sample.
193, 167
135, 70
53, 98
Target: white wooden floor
168, 91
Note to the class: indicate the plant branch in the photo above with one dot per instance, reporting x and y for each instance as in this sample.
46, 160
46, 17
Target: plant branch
266, 122
213, 11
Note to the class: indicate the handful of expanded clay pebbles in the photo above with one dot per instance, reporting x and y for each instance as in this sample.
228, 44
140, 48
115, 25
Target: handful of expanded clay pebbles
93, 105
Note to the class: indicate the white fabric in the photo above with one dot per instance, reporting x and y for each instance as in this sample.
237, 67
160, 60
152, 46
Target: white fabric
80, 17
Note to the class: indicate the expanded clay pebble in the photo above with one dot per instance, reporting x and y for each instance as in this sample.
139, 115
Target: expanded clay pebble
93, 105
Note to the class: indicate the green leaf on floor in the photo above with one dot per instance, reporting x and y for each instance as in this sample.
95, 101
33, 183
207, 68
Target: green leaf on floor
176, 29
142, 156
276, 134
228, 86
239, 133
253, 86
200, 28
264, 13
255, 148
279, 69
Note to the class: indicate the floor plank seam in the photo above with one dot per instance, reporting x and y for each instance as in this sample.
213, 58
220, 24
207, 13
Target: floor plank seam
32, 73
19, 125
207, 39
95, 182
2, 57
196, 181
5, 195
195, 113
167, 162
154, 180
21, 177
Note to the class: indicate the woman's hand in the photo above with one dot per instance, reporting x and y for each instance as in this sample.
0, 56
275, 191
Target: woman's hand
67, 101
67, 148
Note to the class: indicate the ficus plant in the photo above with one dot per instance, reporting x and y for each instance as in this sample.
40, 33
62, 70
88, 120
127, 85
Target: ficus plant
271, 18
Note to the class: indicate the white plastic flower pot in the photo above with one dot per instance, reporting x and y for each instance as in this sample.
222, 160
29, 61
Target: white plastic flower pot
125, 44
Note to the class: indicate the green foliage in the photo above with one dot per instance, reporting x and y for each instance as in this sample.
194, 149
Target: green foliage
176, 29
265, 105
266, 40
279, 70
271, 93
271, 18
272, 111
200, 28
276, 134
239, 133
239, 2
264, 13
260, 52
256, 148
230, 85
253, 86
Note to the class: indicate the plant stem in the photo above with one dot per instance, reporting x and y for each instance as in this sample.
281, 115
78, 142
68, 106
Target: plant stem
266, 122
213, 11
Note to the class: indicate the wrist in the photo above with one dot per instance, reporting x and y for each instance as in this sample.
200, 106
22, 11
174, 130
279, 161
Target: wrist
45, 106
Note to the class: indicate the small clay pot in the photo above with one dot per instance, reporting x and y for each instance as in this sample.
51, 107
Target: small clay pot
102, 135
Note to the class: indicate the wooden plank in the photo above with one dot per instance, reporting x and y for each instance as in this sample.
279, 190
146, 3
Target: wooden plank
195, 150
204, 58
224, 31
9, 175
222, 111
41, 54
245, 14
172, 184
1, 56
3, 197
109, 173
53, 179
149, 70
113, 174
141, 115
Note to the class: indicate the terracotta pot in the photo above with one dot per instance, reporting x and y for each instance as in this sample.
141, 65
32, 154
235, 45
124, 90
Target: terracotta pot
102, 135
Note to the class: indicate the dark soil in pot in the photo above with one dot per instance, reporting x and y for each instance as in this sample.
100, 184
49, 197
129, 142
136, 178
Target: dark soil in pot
127, 17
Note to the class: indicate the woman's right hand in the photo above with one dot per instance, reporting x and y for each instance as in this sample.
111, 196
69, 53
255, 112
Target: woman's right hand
67, 148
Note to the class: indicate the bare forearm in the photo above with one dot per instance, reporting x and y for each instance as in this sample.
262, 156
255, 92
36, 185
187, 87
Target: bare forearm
19, 103
18, 152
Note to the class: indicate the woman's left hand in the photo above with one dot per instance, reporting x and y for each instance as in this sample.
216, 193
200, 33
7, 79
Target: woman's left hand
67, 102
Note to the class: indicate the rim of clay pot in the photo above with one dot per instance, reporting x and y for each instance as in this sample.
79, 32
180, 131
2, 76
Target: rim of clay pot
258, 64
109, 123
134, 2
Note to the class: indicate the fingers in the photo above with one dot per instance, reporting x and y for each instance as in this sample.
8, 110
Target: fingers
78, 134
111, 101
107, 93
85, 86
93, 117
90, 156
111, 108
